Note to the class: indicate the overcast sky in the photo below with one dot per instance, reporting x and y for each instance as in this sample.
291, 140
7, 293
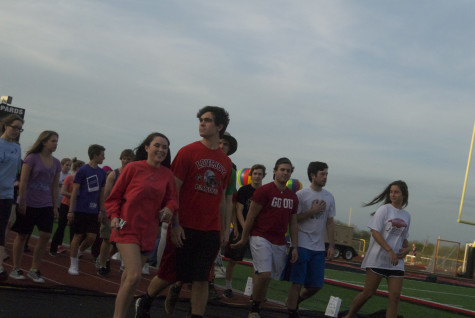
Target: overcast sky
379, 90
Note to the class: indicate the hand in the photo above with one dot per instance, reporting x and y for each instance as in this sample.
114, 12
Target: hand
177, 236
55, 213
330, 253
225, 237
166, 214
403, 252
393, 257
101, 218
240, 244
235, 233
318, 206
115, 224
21, 208
294, 255
70, 217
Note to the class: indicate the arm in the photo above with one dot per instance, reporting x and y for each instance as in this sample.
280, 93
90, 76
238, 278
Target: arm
64, 190
381, 241
331, 238
109, 184
72, 202
177, 235
226, 210
102, 210
24, 178
404, 250
294, 237
55, 194
254, 210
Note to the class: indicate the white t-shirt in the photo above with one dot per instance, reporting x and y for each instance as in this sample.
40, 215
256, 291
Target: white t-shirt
393, 224
312, 230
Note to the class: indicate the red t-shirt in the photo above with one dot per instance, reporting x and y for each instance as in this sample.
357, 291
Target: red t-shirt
68, 183
205, 173
137, 197
274, 218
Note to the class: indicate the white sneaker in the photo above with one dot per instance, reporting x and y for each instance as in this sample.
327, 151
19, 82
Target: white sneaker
36, 276
73, 271
146, 269
17, 274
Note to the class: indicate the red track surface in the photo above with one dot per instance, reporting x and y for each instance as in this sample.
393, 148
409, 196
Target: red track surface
55, 272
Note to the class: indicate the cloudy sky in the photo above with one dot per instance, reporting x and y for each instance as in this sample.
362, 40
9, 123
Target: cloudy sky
379, 90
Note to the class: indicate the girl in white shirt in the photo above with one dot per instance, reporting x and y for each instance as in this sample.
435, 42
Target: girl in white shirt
387, 249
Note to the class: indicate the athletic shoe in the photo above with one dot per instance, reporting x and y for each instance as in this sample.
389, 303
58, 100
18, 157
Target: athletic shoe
141, 308
36, 276
80, 254
146, 269
17, 274
98, 263
294, 314
3, 275
54, 254
103, 271
219, 271
212, 293
73, 271
228, 293
254, 315
172, 298
61, 250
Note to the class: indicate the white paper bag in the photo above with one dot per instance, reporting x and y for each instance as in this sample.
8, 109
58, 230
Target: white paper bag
248, 290
333, 307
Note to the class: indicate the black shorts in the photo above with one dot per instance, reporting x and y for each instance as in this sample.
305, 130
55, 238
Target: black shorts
195, 259
387, 272
5, 210
86, 223
41, 217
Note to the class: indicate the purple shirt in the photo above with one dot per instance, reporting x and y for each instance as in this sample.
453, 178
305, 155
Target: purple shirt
39, 193
90, 181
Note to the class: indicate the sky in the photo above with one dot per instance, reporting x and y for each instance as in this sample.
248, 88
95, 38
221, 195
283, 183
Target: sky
379, 90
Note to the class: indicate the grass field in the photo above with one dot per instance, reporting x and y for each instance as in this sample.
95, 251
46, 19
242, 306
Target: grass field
462, 297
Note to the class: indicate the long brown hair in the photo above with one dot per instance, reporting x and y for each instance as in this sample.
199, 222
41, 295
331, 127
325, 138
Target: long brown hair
384, 196
43, 137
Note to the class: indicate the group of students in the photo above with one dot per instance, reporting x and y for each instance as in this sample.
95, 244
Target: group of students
193, 195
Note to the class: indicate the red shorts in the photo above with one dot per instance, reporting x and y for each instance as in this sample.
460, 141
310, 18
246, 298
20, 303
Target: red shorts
167, 269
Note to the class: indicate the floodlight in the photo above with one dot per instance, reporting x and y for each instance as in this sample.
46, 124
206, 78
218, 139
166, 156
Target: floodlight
7, 99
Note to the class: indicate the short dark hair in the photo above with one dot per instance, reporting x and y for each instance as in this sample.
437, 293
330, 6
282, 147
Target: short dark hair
258, 166
282, 161
314, 167
221, 117
129, 153
95, 150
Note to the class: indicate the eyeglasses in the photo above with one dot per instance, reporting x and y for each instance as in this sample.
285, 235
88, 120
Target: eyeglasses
16, 128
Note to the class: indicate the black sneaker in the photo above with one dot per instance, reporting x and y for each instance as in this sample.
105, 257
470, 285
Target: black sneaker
212, 293
228, 293
103, 271
3, 276
172, 298
142, 309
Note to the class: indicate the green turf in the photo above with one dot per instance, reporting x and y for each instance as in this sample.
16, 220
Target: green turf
462, 297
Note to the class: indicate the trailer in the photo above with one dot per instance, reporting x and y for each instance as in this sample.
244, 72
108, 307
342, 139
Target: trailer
345, 245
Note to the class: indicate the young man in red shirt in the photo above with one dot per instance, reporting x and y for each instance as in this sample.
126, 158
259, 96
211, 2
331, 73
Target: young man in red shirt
273, 207
202, 173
